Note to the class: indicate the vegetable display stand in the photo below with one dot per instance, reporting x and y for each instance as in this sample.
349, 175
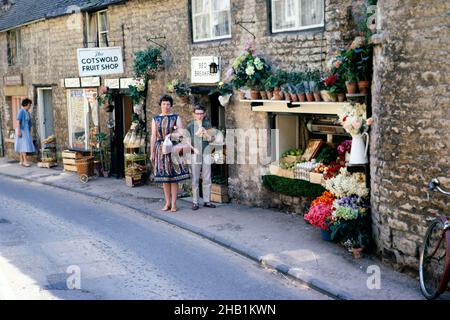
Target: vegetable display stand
48, 156
69, 159
136, 166
85, 168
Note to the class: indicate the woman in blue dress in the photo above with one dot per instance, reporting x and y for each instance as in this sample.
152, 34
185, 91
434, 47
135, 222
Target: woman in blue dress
23, 142
168, 169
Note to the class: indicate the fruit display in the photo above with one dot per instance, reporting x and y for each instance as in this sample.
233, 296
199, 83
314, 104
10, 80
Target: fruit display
293, 152
135, 157
49, 140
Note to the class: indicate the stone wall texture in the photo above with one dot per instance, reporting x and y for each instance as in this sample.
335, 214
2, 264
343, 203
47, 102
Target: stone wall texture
411, 136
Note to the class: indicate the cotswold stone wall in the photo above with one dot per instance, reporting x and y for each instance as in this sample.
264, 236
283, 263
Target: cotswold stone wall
411, 136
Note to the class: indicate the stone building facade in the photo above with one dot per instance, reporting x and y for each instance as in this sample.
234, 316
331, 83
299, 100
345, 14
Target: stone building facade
406, 108
411, 137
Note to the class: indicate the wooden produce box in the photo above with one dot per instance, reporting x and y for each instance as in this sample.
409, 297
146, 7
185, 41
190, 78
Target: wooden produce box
134, 181
219, 193
317, 178
220, 198
69, 158
277, 171
47, 165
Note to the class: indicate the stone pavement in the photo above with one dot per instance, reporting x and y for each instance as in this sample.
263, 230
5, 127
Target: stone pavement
272, 238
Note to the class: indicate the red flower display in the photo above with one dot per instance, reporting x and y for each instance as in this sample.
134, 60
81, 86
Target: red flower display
320, 216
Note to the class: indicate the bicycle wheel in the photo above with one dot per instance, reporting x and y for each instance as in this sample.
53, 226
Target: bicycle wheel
433, 260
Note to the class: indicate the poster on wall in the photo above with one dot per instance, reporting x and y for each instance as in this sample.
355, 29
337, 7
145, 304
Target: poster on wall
99, 61
83, 117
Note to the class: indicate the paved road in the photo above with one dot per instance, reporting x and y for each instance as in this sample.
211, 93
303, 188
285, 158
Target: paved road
48, 237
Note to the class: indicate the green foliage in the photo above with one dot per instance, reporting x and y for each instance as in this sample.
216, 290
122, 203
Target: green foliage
292, 187
136, 95
147, 62
327, 154
181, 89
357, 231
222, 89
219, 180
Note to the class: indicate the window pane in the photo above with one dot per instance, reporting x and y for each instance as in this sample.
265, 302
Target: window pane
103, 23
311, 12
103, 40
220, 5
221, 24
202, 27
282, 17
197, 6
18, 45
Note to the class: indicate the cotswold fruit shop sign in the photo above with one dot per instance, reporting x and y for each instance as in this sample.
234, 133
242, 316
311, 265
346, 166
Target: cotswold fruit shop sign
100, 61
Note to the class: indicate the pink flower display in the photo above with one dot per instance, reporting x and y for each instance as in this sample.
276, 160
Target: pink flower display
320, 216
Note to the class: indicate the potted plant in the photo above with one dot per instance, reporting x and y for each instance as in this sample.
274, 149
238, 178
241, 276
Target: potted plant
148, 62
329, 94
225, 91
349, 70
251, 69
300, 88
105, 99
180, 88
363, 67
270, 85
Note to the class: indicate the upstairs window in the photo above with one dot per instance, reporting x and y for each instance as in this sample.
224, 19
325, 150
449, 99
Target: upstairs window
14, 46
211, 19
97, 29
293, 15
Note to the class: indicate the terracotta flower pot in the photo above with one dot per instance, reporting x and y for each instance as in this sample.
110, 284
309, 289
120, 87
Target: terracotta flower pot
341, 97
277, 94
301, 97
357, 253
351, 87
254, 94
317, 96
310, 97
287, 96
269, 94
363, 86
294, 97
327, 96
263, 94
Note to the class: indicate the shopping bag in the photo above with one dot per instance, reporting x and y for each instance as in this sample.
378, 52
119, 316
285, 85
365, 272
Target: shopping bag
167, 145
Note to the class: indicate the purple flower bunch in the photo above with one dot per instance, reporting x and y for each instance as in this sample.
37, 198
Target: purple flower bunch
349, 201
345, 146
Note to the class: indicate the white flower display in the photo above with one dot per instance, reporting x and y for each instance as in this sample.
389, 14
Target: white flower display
347, 184
353, 119
250, 70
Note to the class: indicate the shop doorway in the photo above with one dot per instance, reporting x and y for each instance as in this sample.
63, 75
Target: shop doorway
45, 112
122, 117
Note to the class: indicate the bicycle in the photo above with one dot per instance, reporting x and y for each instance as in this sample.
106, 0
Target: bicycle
434, 268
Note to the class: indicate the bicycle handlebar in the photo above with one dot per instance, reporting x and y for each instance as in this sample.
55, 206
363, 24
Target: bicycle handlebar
434, 185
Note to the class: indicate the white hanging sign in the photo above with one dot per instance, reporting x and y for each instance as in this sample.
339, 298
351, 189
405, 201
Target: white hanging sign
100, 61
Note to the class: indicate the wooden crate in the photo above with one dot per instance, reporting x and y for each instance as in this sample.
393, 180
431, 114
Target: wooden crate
219, 188
67, 154
47, 165
220, 198
317, 178
134, 181
69, 158
68, 167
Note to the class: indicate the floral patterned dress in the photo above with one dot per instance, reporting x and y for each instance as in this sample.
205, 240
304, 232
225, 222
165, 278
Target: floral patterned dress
166, 170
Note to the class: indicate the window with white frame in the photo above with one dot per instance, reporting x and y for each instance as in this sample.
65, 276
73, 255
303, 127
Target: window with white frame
14, 46
291, 15
211, 19
97, 29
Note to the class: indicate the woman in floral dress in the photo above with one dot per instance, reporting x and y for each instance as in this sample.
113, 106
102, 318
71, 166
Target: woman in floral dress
167, 169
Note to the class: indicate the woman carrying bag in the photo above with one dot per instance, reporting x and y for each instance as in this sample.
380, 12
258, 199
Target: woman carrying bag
167, 170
